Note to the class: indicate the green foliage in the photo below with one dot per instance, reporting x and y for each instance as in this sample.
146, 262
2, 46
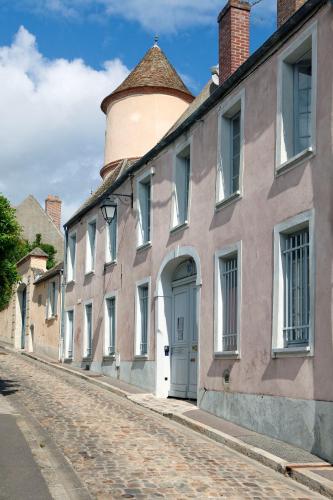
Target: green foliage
10, 240
25, 247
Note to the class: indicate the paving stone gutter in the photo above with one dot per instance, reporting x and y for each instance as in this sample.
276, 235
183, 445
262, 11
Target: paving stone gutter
316, 474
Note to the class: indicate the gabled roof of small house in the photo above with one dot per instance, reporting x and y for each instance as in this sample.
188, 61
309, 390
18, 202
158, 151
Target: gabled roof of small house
50, 273
154, 71
209, 97
36, 252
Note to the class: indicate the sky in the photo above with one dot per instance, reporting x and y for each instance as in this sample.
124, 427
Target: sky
60, 58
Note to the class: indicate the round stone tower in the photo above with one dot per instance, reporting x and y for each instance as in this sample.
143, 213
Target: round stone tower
142, 109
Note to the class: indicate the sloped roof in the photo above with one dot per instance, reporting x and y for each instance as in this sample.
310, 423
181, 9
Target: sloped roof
154, 70
36, 252
122, 166
204, 94
50, 273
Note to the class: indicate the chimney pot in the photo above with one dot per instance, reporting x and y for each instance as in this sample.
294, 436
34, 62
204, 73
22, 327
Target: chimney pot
286, 8
53, 209
234, 36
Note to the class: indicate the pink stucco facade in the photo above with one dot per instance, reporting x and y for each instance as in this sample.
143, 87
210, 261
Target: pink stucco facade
292, 386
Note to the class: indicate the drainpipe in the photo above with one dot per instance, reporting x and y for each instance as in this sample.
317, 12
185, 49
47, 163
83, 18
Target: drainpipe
63, 288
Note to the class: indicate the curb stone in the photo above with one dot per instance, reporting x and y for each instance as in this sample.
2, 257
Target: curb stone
305, 477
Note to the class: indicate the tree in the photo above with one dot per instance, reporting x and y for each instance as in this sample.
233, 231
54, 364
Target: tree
25, 247
10, 241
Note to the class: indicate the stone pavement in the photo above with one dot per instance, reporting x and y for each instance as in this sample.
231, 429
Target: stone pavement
122, 450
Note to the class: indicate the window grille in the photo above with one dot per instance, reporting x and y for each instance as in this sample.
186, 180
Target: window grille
143, 300
229, 284
111, 307
296, 289
89, 329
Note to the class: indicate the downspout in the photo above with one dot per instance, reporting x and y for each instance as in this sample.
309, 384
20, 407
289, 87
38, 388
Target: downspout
63, 289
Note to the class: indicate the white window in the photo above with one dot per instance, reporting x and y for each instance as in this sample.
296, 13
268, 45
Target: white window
110, 325
88, 330
182, 173
111, 239
69, 341
293, 285
144, 208
230, 149
142, 318
296, 99
91, 247
71, 255
227, 300
52, 300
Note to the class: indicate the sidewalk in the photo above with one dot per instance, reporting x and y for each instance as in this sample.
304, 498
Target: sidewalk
20, 476
299, 464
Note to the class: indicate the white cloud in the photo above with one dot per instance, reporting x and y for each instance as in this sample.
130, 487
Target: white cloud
52, 133
162, 16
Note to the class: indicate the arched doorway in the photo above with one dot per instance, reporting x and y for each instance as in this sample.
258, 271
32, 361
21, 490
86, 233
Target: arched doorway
177, 306
183, 337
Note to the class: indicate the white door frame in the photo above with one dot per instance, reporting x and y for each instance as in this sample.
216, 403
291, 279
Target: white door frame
163, 315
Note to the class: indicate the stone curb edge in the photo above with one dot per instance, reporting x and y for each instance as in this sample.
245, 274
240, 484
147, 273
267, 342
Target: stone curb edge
305, 477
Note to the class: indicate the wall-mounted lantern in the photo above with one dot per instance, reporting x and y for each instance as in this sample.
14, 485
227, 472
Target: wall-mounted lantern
109, 206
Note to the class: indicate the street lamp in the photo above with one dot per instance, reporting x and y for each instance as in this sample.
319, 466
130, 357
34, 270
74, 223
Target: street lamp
109, 206
108, 209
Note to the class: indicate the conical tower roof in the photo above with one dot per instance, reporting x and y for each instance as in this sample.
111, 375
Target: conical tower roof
153, 74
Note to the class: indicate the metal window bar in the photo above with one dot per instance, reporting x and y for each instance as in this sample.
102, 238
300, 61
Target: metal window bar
89, 329
302, 103
230, 303
296, 289
143, 298
235, 153
111, 303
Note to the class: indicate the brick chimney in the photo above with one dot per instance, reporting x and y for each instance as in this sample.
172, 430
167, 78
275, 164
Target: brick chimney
234, 37
286, 8
53, 209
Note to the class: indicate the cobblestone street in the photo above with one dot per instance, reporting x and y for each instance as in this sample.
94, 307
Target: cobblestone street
120, 450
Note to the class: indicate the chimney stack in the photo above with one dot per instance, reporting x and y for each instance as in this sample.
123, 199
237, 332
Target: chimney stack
53, 209
286, 8
234, 37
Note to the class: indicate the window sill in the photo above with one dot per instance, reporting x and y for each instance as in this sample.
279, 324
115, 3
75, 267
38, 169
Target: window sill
181, 226
52, 318
87, 358
68, 360
111, 263
109, 357
227, 201
144, 246
227, 355
142, 357
90, 273
292, 352
294, 161
70, 282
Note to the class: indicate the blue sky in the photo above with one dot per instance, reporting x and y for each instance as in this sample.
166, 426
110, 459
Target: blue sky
59, 58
